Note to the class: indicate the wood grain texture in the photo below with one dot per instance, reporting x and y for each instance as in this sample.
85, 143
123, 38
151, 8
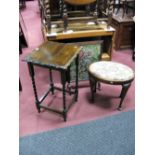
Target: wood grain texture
80, 2
54, 54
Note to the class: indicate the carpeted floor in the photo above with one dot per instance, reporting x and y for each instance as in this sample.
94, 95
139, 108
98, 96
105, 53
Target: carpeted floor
113, 135
106, 102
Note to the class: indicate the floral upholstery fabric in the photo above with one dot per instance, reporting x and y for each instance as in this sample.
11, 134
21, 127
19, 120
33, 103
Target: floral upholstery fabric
111, 71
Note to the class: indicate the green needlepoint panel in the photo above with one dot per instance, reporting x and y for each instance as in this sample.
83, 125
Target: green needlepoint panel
88, 54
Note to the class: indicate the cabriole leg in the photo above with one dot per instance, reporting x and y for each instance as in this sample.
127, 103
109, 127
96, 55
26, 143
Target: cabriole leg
92, 87
125, 88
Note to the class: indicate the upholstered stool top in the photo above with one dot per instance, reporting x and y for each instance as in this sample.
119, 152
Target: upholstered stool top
111, 72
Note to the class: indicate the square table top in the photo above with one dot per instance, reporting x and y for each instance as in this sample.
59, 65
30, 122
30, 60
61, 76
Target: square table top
53, 54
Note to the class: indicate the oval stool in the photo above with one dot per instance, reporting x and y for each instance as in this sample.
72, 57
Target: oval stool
110, 72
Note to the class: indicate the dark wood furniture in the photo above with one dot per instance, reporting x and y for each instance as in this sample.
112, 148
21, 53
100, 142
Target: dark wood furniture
72, 10
112, 73
20, 52
22, 38
55, 56
23, 41
125, 5
79, 3
22, 4
83, 32
128, 4
80, 25
73, 21
81, 28
124, 37
133, 54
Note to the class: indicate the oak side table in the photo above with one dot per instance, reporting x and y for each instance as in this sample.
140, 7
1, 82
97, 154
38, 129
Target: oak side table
55, 56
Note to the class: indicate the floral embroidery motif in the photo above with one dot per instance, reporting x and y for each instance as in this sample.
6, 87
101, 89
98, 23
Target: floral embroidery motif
111, 71
88, 55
